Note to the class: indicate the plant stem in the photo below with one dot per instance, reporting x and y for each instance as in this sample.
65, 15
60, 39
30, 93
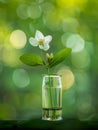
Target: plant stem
41, 53
50, 86
48, 70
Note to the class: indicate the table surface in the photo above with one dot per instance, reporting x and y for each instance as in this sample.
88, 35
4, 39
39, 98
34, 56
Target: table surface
68, 124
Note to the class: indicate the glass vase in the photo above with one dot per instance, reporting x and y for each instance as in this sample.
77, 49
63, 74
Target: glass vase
51, 98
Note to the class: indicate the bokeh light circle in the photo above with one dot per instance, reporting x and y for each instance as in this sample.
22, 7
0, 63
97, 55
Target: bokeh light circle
51, 22
67, 78
85, 108
21, 78
70, 24
74, 41
18, 39
34, 11
10, 57
47, 7
81, 59
22, 11
39, 1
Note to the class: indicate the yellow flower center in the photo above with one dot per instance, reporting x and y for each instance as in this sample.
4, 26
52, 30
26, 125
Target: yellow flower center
41, 41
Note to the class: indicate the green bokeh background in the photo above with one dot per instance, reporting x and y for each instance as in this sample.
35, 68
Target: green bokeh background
20, 85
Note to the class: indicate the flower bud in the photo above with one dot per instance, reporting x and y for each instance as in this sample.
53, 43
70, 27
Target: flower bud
49, 56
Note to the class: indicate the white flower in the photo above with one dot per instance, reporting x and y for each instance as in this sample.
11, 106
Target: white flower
41, 40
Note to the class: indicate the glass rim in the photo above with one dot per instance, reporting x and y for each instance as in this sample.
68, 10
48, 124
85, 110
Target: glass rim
52, 75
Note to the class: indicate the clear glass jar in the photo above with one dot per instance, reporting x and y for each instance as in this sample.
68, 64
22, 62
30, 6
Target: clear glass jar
52, 98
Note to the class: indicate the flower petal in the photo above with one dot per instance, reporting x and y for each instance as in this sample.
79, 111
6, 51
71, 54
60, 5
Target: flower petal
48, 39
39, 35
46, 47
33, 41
41, 47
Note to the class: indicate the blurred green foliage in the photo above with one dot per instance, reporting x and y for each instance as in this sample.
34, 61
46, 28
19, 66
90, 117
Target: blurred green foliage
72, 24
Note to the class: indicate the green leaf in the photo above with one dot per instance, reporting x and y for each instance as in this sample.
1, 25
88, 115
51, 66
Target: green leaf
59, 57
31, 59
